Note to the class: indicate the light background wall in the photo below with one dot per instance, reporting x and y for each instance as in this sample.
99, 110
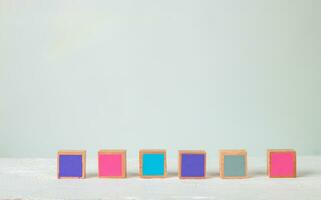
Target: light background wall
174, 74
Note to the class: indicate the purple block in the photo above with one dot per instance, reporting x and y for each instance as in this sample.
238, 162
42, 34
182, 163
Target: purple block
193, 165
70, 166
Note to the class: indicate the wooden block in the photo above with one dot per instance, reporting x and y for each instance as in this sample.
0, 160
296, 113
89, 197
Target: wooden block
152, 164
233, 164
112, 164
281, 163
71, 164
192, 164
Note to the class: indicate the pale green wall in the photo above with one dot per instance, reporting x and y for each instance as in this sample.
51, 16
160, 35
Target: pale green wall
174, 74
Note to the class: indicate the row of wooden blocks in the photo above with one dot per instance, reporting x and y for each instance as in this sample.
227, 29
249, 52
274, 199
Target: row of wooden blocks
281, 163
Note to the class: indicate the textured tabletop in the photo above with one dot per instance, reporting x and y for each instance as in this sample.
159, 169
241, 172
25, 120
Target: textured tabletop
36, 179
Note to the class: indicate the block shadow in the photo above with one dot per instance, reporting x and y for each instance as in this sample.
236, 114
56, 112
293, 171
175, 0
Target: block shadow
257, 173
136, 174
132, 174
91, 175
300, 173
172, 174
308, 173
210, 175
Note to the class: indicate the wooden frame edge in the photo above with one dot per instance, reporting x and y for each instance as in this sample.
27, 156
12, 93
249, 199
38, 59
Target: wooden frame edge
236, 152
269, 151
180, 152
123, 158
152, 151
72, 152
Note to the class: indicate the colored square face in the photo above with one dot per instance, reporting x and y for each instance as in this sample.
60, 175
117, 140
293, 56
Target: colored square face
193, 165
110, 165
70, 166
153, 164
234, 166
282, 164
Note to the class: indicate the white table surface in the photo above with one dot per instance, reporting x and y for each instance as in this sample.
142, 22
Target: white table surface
36, 179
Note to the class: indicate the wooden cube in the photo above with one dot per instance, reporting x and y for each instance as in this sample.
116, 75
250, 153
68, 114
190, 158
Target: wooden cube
112, 164
281, 163
71, 164
233, 164
152, 164
192, 164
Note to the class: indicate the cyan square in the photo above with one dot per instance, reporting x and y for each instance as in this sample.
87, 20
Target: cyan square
153, 164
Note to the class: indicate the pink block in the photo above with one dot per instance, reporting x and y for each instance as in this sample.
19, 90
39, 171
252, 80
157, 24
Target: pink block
110, 165
282, 164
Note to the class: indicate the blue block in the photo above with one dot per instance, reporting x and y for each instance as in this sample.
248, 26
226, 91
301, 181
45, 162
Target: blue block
70, 166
